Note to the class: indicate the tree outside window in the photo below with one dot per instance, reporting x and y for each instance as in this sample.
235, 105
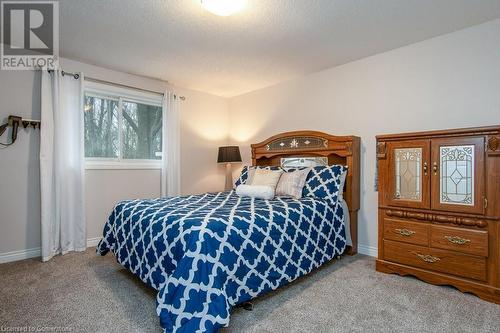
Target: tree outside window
109, 119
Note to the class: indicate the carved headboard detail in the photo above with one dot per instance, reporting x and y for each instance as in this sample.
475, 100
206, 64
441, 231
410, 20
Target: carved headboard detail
343, 150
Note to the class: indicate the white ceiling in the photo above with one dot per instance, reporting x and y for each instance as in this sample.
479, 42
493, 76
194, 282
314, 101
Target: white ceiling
268, 42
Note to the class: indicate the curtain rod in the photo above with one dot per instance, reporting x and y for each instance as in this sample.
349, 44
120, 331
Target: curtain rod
91, 79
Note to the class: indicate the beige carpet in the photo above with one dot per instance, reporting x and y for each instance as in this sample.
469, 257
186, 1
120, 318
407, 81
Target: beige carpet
89, 293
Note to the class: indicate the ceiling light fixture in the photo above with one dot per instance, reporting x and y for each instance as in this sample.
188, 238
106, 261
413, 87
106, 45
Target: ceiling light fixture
223, 7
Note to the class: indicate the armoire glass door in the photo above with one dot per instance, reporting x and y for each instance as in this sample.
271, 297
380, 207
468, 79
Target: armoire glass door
457, 174
408, 173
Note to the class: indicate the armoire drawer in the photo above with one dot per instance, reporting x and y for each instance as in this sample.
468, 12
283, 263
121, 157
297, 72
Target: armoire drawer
435, 259
459, 239
405, 231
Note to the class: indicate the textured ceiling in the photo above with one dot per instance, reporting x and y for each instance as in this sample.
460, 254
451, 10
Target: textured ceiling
268, 42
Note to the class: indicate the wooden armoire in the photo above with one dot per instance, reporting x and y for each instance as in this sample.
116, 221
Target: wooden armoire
439, 208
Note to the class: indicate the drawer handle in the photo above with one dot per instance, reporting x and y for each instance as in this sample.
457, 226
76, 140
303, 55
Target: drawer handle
457, 240
405, 232
428, 258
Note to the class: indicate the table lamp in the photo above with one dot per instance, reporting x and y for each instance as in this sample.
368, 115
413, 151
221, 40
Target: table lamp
228, 155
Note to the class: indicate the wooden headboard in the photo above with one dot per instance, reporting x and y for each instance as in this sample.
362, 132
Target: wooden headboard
343, 150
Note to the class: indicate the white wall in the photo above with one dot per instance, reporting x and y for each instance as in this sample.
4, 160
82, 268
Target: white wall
204, 126
447, 82
19, 170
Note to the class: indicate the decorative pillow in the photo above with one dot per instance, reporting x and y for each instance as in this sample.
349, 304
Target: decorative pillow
325, 182
266, 178
243, 177
251, 173
248, 171
292, 183
255, 191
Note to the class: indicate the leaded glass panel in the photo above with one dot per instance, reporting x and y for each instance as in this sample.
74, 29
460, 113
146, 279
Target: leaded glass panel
457, 175
408, 162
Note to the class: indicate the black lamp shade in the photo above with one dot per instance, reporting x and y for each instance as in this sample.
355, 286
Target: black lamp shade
229, 154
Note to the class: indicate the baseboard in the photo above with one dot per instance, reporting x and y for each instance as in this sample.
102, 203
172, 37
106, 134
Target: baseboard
35, 252
368, 250
91, 242
19, 255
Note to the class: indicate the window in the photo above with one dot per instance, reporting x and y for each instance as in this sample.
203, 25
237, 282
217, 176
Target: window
122, 128
101, 127
141, 131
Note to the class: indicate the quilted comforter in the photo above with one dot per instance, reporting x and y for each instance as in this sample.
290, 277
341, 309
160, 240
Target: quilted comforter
207, 253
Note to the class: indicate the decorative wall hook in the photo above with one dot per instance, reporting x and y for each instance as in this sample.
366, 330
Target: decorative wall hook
15, 122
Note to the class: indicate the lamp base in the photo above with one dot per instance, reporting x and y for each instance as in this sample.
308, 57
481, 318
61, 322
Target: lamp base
229, 178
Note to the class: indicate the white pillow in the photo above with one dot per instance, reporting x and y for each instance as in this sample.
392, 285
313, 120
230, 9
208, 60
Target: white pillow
255, 191
292, 183
341, 185
266, 178
251, 173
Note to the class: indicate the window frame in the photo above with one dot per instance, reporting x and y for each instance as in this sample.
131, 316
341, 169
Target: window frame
128, 95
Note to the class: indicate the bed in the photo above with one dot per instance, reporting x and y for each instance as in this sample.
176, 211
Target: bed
207, 253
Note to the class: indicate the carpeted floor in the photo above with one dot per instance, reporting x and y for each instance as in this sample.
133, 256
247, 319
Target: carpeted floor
88, 293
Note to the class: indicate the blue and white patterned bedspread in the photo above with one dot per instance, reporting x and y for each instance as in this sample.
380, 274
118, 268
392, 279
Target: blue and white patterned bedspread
207, 253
